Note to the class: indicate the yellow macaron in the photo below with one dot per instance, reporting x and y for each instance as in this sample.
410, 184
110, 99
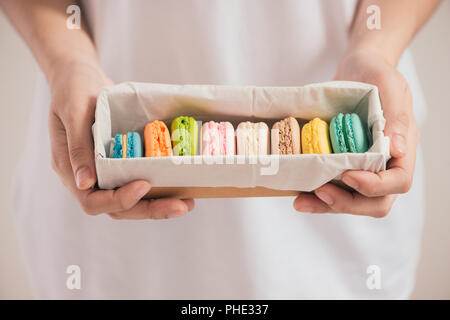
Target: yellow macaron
316, 137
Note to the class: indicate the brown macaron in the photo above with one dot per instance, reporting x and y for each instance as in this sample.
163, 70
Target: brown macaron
286, 136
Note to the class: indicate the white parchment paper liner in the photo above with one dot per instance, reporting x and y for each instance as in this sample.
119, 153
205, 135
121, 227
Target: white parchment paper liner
129, 106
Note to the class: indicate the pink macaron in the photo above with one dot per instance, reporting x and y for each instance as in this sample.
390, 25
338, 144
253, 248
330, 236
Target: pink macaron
217, 138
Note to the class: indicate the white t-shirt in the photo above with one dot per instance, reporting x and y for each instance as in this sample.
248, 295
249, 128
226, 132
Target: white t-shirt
228, 248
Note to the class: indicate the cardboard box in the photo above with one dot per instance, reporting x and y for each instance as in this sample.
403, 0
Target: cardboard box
129, 106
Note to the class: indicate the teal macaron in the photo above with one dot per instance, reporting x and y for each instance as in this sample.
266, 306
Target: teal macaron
128, 145
348, 134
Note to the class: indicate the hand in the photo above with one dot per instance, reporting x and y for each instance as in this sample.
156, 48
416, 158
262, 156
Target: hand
374, 192
74, 91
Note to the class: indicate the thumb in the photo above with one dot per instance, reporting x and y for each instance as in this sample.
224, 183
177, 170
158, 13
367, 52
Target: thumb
396, 100
80, 144
397, 125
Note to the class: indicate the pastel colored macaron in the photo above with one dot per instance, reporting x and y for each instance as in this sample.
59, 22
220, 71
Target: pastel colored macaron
157, 140
217, 138
127, 145
315, 137
348, 134
286, 136
184, 136
252, 138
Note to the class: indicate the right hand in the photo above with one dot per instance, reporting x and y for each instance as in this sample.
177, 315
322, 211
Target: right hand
74, 90
374, 194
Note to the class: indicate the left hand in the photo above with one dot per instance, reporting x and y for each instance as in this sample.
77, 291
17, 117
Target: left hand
374, 193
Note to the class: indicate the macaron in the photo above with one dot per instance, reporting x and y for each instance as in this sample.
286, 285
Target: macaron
286, 136
347, 134
157, 140
315, 137
184, 136
252, 138
217, 138
127, 145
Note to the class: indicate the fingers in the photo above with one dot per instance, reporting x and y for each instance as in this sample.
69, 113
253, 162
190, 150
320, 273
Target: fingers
396, 100
308, 202
375, 192
122, 199
73, 158
190, 203
126, 203
123, 203
156, 209
395, 180
392, 181
332, 199
58, 145
81, 146
341, 201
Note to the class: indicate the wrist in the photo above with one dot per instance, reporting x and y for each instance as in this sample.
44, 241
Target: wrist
374, 49
64, 65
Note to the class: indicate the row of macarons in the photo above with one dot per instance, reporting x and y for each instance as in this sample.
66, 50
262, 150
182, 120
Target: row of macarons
345, 133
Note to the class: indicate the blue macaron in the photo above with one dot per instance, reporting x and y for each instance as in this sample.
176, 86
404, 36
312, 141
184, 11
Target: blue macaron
348, 134
131, 141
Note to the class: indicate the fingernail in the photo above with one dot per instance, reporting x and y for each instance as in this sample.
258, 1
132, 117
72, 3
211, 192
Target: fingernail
141, 191
82, 178
306, 209
189, 203
175, 214
399, 143
350, 182
178, 212
325, 197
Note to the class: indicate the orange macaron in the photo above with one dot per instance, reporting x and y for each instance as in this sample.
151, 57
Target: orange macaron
157, 140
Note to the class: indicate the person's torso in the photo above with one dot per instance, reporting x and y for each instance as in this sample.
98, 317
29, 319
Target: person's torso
251, 42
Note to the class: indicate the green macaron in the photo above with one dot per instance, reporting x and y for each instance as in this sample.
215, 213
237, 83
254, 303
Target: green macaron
184, 136
347, 134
